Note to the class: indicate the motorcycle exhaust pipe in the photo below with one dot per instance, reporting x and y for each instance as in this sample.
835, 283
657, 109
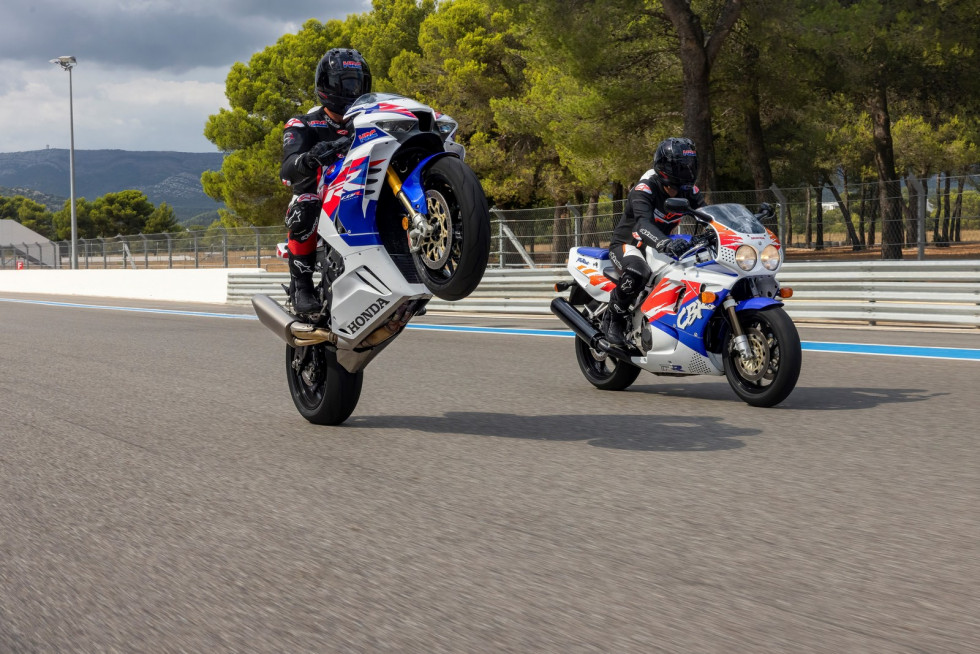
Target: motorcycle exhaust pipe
285, 325
584, 329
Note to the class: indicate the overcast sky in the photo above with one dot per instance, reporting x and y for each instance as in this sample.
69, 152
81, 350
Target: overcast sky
149, 72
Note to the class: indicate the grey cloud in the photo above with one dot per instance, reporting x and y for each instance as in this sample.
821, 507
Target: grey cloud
155, 36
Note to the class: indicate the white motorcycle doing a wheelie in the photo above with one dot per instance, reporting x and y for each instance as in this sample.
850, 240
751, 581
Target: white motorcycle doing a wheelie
402, 219
715, 310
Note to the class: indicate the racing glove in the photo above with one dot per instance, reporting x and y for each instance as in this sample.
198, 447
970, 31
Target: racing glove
324, 152
676, 247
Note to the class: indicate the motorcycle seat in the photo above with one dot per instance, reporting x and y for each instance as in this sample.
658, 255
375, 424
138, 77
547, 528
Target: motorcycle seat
611, 273
597, 253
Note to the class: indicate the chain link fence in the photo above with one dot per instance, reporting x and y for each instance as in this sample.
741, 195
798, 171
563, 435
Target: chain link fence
810, 222
217, 247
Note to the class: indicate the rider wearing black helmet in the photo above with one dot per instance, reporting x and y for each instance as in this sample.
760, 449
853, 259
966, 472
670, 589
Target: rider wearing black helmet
309, 141
645, 222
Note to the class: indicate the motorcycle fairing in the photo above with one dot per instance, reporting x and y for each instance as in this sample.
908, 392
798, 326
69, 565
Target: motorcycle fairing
386, 107
757, 303
363, 299
727, 237
662, 300
412, 185
715, 267
729, 240
592, 272
364, 135
685, 319
343, 192
676, 351
365, 296
350, 189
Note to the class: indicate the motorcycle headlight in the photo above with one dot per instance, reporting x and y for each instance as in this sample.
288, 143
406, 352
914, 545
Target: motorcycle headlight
395, 127
746, 257
445, 126
770, 257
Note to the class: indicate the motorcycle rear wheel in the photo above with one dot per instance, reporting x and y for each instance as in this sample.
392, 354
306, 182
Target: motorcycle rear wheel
322, 390
770, 376
454, 256
603, 371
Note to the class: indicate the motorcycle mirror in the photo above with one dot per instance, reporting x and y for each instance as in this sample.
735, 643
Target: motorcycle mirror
767, 210
677, 205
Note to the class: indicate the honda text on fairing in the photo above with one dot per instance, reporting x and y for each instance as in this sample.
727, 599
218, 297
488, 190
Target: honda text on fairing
402, 219
715, 310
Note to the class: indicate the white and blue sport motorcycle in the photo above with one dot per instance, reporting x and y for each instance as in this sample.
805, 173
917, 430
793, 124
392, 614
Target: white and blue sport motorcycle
402, 219
715, 310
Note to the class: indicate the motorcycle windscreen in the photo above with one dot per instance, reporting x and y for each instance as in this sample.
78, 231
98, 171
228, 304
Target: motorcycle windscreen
736, 217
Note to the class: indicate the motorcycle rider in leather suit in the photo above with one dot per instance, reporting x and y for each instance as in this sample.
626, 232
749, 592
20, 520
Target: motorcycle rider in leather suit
309, 142
645, 223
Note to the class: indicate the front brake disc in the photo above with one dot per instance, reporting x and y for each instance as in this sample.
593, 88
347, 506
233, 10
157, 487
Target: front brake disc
755, 367
436, 247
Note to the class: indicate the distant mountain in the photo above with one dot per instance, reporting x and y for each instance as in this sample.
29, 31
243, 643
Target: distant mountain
171, 177
52, 202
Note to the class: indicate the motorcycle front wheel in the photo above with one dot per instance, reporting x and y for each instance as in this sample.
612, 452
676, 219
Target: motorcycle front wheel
769, 376
322, 390
453, 257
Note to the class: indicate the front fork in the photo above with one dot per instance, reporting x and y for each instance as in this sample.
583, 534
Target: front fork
420, 227
740, 340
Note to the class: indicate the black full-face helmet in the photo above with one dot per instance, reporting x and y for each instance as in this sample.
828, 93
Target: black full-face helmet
342, 76
676, 162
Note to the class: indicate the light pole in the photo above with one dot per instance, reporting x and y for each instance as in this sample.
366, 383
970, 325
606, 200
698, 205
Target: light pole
67, 62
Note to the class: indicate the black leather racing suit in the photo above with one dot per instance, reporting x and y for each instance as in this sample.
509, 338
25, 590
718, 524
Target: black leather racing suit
301, 133
644, 222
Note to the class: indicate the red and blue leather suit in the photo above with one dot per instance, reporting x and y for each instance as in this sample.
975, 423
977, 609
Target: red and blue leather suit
300, 135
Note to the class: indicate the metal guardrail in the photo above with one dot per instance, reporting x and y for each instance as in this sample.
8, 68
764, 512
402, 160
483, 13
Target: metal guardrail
870, 292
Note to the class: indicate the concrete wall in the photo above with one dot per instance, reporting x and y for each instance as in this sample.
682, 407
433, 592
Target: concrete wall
184, 285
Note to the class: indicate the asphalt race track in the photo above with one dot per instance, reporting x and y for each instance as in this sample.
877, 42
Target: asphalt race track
160, 493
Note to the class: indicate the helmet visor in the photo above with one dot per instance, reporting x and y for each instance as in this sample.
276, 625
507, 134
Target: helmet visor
686, 174
349, 84
686, 170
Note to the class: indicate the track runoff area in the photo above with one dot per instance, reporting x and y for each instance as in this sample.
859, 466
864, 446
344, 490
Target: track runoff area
874, 349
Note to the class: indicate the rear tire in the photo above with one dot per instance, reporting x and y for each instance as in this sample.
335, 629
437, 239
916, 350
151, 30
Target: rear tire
454, 256
770, 377
603, 371
322, 390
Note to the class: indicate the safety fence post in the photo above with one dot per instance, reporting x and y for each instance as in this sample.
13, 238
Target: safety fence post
921, 218
783, 213
146, 252
500, 237
577, 222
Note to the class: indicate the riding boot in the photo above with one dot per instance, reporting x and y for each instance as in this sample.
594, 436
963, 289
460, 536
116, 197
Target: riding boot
614, 326
617, 318
301, 268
